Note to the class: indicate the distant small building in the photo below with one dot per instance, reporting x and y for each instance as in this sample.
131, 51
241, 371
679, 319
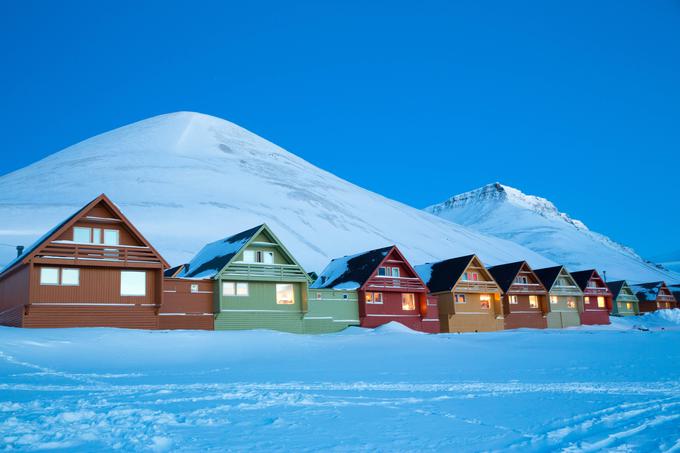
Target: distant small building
524, 300
675, 290
258, 284
468, 297
625, 302
388, 287
564, 296
597, 299
654, 296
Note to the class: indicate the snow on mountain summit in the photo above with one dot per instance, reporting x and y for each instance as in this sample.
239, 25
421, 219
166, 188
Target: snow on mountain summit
186, 179
536, 223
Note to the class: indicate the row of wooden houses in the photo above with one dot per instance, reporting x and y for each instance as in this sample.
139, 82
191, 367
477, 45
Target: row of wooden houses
96, 269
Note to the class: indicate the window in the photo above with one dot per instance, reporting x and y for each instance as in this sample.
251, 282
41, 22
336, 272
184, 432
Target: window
111, 237
629, 306
318, 296
70, 277
471, 276
249, 256
96, 235
382, 271
54, 276
592, 284
83, 235
235, 289
563, 281
408, 301
345, 296
514, 300
533, 301
587, 300
395, 272
132, 283
554, 300
600, 302
484, 301
284, 294
194, 288
374, 298
571, 302
522, 280
49, 276
459, 298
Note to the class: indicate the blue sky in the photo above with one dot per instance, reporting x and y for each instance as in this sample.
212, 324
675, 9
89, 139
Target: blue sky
576, 101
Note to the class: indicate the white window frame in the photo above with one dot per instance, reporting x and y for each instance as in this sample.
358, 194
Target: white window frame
522, 280
604, 302
457, 300
533, 301
240, 286
412, 301
82, 229
136, 274
554, 300
97, 235
194, 288
42, 280
485, 298
233, 289
107, 233
382, 271
292, 294
514, 300
395, 272
249, 256
70, 269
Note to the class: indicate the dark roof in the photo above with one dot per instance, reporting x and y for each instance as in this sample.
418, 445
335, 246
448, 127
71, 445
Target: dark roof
352, 270
675, 289
647, 292
443, 275
172, 271
582, 277
212, 258
615, 287
31, 248
505, 274
548, 275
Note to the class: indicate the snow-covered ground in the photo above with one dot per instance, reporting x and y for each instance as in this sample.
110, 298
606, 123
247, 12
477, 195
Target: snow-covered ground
584, 389
538, 225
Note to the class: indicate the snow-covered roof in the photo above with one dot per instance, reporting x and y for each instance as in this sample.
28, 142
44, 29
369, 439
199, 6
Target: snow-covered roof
351, 272
212, 258
647, 292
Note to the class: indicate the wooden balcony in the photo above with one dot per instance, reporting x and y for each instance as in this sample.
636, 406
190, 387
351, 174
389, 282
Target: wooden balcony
406, 283
527, 288
97, 255
468, 286
596, 290
266, 272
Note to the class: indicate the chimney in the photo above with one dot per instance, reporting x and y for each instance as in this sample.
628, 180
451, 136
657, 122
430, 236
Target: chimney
20, 250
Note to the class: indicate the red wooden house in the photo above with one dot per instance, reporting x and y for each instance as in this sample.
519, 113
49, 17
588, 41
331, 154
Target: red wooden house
95, 269
597, 298
524, 300
187, 303
654, 296
388, 287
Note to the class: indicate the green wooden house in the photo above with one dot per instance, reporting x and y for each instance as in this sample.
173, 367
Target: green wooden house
625, 301
260, 285
565, 297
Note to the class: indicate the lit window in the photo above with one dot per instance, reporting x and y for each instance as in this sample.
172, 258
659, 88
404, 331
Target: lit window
554, 300
132, 283
111, 237
82, 235
318, 296
522, 280
194, 288
228, 288
284, 294
629, 306
378, 298
369, 298
533, 301
571, 302
484, 301
382, 271
514, 300
395, 272
600, 302
587, 300
70, 277
242, 289
49, 276
408, 301
459, 298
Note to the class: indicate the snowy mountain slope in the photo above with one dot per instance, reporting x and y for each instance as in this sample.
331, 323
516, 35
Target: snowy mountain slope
186, 179
536, 223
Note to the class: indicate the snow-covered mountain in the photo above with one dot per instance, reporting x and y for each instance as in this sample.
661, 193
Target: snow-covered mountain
186, 179
535, 222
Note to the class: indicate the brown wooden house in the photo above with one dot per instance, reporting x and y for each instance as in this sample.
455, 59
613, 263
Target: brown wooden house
468, 297
187, 303
654, 296
524, 299
597, 298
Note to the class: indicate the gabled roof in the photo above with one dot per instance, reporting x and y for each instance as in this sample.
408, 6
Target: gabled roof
582, 277
443, 275
548, 275
505, 274
214, 257
55, 232
675, 289
616, 287
647, 292
173, 271
351, 272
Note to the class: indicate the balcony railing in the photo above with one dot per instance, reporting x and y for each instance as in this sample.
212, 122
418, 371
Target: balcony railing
476, 286
271, 272
395, 283
115, 254
527, 288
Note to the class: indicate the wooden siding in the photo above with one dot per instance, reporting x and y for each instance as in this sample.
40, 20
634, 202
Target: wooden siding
331, 310
522, 314
14, 295
136, 317
184, 309
468, 316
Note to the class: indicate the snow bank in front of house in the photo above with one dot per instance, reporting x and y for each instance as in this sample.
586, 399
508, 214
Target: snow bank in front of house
657, 320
